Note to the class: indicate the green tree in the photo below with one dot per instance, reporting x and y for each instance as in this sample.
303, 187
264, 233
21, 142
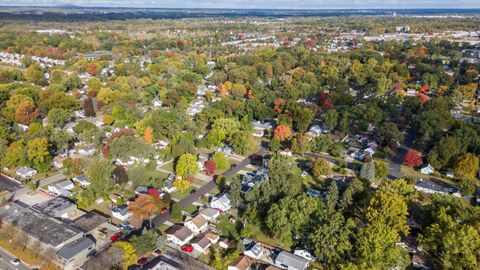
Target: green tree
38, 151
58, 117
100, 175
34, 74
146, 242
330, 118
220, 160
176, 212
186, 165
241, 142
368, 171
321, 167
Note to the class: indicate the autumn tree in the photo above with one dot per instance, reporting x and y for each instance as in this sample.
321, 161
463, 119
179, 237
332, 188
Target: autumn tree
92, 68
148, 135
210, 167
186, 164
467, 166
143, 207
34, 74
412, 158
88, 107
38, 152
26, 112
282, 132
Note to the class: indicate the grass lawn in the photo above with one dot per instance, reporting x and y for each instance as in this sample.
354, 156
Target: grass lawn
191, 209
27, 255
168, 167
164, 227
181, 194
258, 235
227, 229
407, 171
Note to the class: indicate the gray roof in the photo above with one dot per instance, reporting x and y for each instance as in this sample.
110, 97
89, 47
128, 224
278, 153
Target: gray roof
82, 178
71, 250
291, 261
56, 207
428, 184
180, 232
38, 225
25, 170
90, 221
64, 183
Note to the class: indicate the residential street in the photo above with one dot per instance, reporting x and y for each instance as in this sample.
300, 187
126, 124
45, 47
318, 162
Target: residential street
5, 264
185, 202
46, 181
397, 159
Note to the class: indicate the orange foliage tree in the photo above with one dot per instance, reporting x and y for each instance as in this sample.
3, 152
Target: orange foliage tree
25, 112
282, 132
148, 135
144, 207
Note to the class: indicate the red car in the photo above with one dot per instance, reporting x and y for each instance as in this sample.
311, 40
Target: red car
142, 261
116, 236
164, 211
187, 248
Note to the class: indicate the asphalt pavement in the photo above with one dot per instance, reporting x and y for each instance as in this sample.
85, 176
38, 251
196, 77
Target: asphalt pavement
396, 160
187, 201
5, 264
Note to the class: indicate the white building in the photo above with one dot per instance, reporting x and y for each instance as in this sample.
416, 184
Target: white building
222, 203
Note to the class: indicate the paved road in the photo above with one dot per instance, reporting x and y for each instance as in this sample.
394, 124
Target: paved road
185, 202
185, 260
397, 159
5, 264
45, 181
8, 184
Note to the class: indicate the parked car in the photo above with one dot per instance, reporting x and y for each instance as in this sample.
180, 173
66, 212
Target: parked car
116, 236
193, 191
164, 211
187, 248
15, 261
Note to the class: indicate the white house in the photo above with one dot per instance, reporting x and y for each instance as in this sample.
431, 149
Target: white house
121, 212
179, 235
26, 172
222, 203
202, 244
62, 189
427, 169
87, 151
197, 225
304, 254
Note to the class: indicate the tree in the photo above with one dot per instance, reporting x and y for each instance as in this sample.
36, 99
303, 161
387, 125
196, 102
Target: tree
181, 184
58, 117
454, 244
302, 119
26, 112
34, 74
467, 166
215, 137
186, 165
146, 242
148, 135
330, 118
127, 252
381, 170
221, 161
143, 207
412, 158
368, 171
282, 132
176, 212
274, 144
15, 154
38, 151
321, 167
300, 144
241, 142
210, 167
100, 175
88, 107
92, 68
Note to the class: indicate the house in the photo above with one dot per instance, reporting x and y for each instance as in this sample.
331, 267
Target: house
213, 238
209, 213
227, 150
427, 169
314, 193
179, 235
221, 203
304, 254
74, 254
241, 263
168, 187
58, 162
26, 172
201, 244
253, 249
428, 186
120, 212
250, 180
62, 189
163, 263
289, 261
82, 180
259, 128
87, 151
197, 225
224, 243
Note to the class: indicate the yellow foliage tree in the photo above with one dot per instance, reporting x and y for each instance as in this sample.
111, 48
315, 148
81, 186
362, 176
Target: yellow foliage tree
181, 184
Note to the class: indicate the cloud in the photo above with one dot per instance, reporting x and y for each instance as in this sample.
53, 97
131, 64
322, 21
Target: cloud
268, 4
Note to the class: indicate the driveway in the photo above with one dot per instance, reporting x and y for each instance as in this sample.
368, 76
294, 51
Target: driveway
187, 201
8, 184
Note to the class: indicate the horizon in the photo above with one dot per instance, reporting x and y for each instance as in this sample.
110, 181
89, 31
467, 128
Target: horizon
251, 4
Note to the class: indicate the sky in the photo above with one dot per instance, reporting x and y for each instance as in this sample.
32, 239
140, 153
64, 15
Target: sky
268, 4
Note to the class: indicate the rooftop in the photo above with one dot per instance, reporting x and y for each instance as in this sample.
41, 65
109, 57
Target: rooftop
90, 221
290, 260
70, 250
56, 207
180, 232
38, 225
